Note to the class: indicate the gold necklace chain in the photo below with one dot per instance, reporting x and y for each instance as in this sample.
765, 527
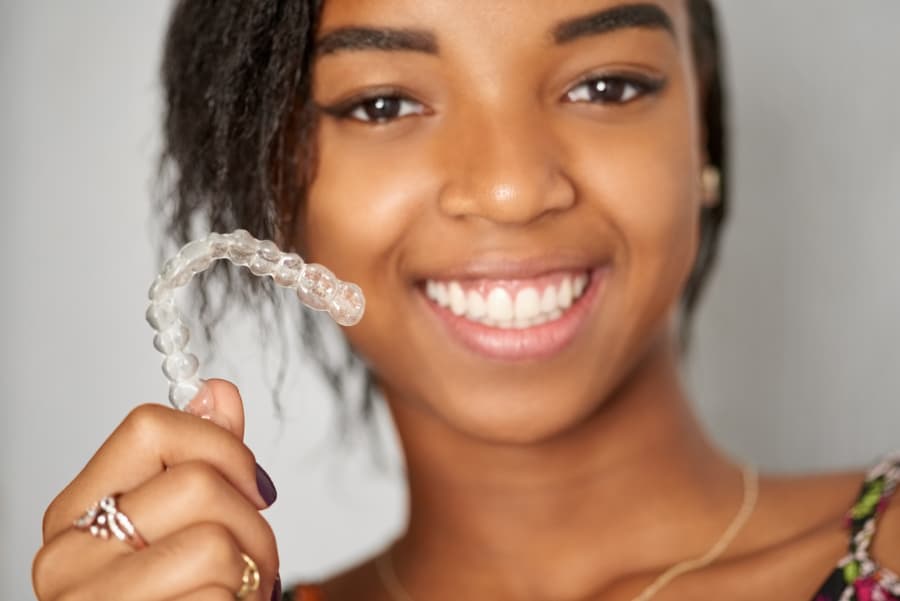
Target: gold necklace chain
388, 575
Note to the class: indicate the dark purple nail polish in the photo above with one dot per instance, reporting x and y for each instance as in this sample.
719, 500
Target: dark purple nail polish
276, 591
265, 486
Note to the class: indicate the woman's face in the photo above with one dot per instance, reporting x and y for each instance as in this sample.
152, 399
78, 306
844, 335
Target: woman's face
515, 187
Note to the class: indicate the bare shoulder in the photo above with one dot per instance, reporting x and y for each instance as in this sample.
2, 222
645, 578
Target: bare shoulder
794, 540
810, 499
802, 533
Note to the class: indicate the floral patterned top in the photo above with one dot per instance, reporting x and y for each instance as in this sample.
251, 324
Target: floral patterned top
857, 577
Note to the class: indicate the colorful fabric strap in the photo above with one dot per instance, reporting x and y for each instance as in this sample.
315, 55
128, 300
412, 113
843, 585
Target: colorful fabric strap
858, 577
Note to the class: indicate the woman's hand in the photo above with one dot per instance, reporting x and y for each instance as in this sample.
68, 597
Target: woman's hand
192, 490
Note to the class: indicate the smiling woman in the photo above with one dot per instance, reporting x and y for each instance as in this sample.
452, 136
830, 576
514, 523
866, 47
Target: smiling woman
530, 187
530, 194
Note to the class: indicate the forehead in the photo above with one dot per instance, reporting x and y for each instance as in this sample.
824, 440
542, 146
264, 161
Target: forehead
484, 22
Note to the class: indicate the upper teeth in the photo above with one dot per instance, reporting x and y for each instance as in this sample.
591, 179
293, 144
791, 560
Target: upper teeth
530, 306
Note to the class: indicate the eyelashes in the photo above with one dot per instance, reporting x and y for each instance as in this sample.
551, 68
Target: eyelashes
614, 89
376, 108
382, 106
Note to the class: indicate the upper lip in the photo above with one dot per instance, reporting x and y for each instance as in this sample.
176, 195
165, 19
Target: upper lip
499, 266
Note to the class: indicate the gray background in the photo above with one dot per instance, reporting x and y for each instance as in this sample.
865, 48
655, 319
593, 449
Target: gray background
796, 358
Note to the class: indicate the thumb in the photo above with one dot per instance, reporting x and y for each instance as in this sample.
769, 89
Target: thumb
220, 402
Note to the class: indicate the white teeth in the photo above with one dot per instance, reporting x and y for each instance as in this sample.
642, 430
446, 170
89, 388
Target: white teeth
579, 285
475, 305
499, 305
457, 299
529, 308
548, 300
440, 294
565, 293
528, 304
521, 324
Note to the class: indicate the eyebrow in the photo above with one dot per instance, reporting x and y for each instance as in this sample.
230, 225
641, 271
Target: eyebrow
647, 16
343, 39
376, 38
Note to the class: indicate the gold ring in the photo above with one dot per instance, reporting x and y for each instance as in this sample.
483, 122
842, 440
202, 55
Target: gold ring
250, 578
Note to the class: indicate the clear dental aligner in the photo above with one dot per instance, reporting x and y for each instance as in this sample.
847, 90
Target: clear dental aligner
316, 287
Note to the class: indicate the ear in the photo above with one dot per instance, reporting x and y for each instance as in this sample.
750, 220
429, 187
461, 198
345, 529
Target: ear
710, 186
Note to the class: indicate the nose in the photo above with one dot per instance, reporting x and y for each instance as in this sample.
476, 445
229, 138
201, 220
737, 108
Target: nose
505, 168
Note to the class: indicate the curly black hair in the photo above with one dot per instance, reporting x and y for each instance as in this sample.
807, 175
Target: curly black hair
238, 125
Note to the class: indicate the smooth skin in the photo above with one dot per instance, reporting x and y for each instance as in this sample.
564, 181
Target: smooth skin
577, 477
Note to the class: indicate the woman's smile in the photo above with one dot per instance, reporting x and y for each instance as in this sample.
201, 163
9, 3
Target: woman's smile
517, 314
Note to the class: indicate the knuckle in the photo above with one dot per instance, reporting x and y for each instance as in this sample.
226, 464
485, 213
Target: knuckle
218, 545
76, 594
58, 516
41, 572
51, 519
196, 481
145, 422
271, 544
146, 417
52, 571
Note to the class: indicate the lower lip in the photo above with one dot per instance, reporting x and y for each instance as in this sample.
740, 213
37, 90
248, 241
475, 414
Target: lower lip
528, 344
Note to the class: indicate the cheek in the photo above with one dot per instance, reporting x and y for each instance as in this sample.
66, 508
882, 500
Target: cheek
361, 204
643, 181
658, 214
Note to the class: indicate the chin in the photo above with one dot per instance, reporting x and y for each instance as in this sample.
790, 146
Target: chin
521, 419
512, 405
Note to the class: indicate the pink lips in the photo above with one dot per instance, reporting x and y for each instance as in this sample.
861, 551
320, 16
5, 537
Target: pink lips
532, 343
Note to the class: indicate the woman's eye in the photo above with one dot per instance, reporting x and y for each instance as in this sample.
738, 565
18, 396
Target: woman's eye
610, 90
381, 109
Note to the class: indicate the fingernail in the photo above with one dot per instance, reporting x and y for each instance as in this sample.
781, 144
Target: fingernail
276, 591
265, 486
203, 405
